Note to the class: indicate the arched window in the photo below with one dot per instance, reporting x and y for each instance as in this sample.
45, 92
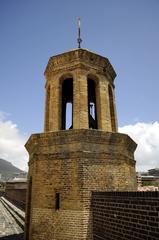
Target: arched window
67, 104
92, 108
111, 106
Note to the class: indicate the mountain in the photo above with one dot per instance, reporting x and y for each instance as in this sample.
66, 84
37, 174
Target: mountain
8, 170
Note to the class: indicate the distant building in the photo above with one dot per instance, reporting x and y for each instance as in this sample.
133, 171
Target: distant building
148, 181
2, 186
148, 188
154, 172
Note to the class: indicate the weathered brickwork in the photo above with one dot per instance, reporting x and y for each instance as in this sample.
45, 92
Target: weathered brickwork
80, 64
17, 196
65, 166
125, 215
15, 192
74, 163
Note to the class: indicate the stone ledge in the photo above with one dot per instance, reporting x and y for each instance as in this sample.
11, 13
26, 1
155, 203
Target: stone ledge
95, 141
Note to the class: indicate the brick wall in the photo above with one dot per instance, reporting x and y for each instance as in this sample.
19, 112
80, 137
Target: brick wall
80, 64
73, 163
16, 193
17, 197
125, 215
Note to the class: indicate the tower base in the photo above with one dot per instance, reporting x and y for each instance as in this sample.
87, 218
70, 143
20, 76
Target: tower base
64, 168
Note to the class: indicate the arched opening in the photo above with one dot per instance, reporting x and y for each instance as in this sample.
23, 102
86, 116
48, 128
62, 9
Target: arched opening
92, 108
67, 104
47, 116
111, 106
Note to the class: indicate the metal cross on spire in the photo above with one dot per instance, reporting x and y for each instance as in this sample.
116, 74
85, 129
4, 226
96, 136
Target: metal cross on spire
79, 40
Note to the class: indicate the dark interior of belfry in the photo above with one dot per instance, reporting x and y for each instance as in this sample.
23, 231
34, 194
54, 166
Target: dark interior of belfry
92, 113
67, 104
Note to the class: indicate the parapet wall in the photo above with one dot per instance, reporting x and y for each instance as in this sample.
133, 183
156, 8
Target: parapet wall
125, 215
16, 193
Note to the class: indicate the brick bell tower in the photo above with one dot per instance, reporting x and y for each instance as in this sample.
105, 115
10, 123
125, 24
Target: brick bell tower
80, 150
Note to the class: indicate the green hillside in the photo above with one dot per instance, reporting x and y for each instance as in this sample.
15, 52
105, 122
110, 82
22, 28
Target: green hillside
8, 170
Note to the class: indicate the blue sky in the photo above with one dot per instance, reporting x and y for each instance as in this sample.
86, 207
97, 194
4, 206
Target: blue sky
125, 31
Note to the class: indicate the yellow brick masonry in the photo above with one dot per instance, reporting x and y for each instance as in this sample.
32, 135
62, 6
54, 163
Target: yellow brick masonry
84, 64
73, 163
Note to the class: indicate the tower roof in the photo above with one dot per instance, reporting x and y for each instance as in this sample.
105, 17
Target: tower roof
77, 58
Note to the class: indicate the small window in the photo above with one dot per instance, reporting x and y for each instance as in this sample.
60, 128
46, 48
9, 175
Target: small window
57, 201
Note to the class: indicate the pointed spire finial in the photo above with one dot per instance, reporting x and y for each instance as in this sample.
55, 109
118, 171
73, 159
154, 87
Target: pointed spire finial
79, 40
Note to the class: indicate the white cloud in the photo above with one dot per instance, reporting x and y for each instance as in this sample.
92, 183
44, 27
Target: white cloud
12, 143
146, 135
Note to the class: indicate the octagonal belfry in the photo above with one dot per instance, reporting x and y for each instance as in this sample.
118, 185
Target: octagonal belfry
80, 150
83, 81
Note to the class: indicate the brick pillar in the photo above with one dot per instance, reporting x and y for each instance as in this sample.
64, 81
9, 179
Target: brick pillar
47, 104
112, 109
55, 105
115, 112
80, 101
103, 112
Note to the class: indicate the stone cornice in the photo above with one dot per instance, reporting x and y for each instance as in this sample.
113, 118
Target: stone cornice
82, 136
80, 58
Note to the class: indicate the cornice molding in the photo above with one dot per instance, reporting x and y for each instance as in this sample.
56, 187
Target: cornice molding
37, 141
79, 58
